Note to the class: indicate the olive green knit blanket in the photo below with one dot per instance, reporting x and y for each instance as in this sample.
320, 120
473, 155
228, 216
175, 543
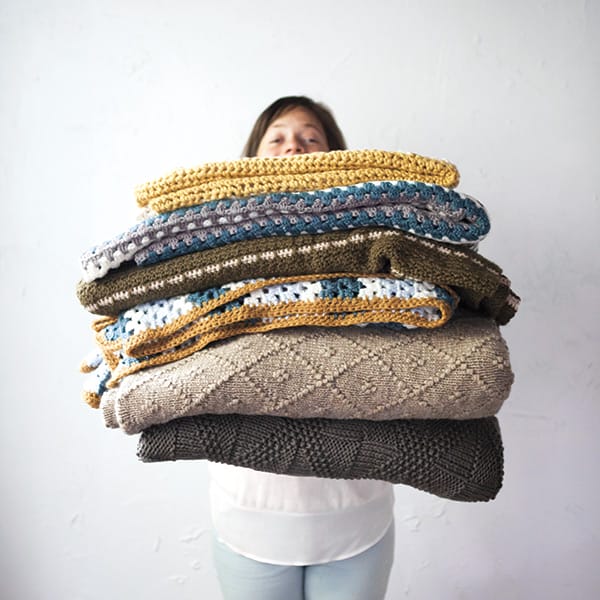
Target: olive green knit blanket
459, 460
460, 371
480, 283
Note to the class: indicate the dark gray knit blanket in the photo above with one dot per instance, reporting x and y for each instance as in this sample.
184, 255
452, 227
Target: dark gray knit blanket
454, 459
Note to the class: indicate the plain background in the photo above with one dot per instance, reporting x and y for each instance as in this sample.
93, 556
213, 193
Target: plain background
97, 97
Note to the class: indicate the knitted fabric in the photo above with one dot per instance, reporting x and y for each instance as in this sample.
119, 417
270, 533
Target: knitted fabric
164, 331
425, 210
250, 176
459, 460
480, 283
459, 371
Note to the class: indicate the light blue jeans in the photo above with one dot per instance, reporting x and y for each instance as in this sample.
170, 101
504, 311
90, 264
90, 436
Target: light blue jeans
361, 577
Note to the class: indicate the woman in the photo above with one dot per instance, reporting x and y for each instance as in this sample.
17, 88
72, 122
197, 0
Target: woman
299, 538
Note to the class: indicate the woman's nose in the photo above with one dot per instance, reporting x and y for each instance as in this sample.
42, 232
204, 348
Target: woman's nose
295, 147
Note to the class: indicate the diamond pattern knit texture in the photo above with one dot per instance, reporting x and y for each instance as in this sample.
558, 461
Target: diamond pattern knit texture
461, 371
459, 460
251, 176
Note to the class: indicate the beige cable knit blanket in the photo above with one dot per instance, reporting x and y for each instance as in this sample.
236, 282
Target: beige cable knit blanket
458, 371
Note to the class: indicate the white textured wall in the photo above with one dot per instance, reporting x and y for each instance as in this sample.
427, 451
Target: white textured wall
96, 97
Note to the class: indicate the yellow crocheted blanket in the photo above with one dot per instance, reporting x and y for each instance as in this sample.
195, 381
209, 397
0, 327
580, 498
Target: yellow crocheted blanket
305, 172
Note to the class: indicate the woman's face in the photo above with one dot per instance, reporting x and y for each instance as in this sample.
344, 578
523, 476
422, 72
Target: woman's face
296, 131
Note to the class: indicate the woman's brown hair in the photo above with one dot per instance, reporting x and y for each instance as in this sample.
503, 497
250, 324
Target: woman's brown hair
335, 138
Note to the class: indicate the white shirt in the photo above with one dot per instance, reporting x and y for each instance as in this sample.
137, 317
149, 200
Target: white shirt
288, 520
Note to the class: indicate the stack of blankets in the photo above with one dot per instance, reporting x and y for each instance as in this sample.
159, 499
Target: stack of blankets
324, 314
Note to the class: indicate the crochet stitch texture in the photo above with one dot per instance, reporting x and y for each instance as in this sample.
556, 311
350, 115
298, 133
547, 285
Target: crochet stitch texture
459, 460
164, 331
250, 176
459, 371
425, 210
